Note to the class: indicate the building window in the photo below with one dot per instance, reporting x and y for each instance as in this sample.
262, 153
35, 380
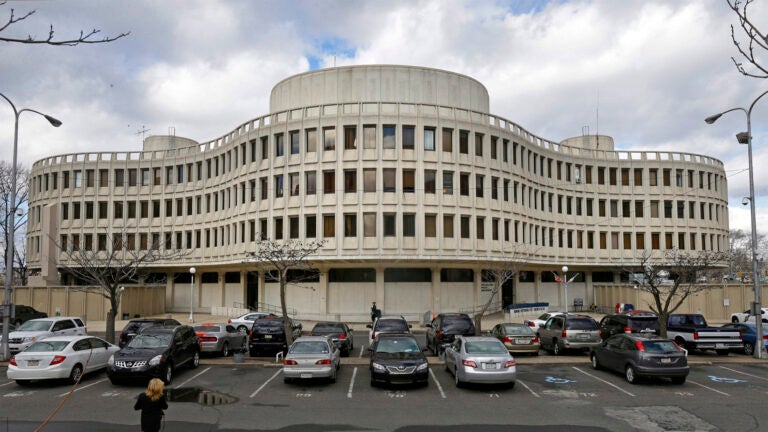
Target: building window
369, 224
278, 228
311, 186
329, 226
350, 225
464, 184
389, 225
294, 183
279, 145
448, 226
390, 179
329, 182
388, 136
409, 225
478, 144
429, 181
369, 137
447, 183
409, 181
464, 226
429, 139
311, 140
350, 137
448, 140
263, 185
479, 180
310, 227
464, 142
78, 176
369, 180
350, 181
480, 227
409, 137
295, 146
329, 139
430, 225
278, 186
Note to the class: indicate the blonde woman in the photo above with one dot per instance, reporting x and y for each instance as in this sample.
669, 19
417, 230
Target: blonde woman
152, 403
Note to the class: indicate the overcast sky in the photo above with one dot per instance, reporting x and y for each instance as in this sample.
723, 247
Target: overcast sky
655, 69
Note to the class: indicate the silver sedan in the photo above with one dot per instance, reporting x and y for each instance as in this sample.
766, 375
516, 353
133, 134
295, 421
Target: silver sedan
311, 357
478, 359
220, 338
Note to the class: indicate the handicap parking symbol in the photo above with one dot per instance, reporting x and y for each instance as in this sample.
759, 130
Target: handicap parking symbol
555, 380
725, 380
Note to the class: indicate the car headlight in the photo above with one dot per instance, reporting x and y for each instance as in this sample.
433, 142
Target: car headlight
29, 339
422, 367
156, 360
377, 367
111, 360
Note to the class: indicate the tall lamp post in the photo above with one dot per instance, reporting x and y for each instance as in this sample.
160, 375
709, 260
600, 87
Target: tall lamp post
746, 138
192, 271
565, 280
9, 247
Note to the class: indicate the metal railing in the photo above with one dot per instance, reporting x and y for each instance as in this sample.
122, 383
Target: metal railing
265, 307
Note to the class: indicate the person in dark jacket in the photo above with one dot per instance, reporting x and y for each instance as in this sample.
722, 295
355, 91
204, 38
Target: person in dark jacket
152, 403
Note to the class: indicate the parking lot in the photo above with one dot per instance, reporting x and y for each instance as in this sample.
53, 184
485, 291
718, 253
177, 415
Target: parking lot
727, 396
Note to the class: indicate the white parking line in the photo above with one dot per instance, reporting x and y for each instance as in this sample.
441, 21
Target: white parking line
84, 387
352, 383
708, 388
604, 381
361, 352
528, 388
439, 387
266, 382
8, 383
187, 381
744, 373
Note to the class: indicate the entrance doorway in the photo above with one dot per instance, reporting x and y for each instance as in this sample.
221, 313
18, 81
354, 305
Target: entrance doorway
508, 293
252, 290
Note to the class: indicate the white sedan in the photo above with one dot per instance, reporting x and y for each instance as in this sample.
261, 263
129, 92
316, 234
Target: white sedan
535, 323
746, 316
243, 323
60, 357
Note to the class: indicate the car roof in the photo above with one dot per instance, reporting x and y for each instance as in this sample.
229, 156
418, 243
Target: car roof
159, 329
69, 338
394, 335
150, 319
386, 317
311, 338
478, 338
56, 318
645, 337
210, 324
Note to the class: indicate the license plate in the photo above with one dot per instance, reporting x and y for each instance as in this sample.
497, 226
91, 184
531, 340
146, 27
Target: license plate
720, 346
521, 341
306, 375
666, 361
33, 362
267, 337
583, 336
489, 365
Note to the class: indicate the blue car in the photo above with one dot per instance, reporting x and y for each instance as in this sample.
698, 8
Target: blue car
749, 335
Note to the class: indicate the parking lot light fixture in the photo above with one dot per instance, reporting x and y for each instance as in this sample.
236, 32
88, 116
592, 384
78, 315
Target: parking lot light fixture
746, 138
192, 271
565, 281
6, 307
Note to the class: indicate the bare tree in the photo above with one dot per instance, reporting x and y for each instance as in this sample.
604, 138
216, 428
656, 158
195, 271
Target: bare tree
671, 279
498, 273
756, 50
6, 206
104, 271
84, 38
276, 258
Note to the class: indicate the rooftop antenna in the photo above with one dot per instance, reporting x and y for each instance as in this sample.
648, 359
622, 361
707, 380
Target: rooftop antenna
141, 132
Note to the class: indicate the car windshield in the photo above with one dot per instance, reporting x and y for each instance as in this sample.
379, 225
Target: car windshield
35, 326
640, 325
309, 347
485, 347
204, 328
392, 325
45, 346
458, 325
518, 330
327, 328
397, 345
580, 324
268, 324
136, 326
659, 347
157, 340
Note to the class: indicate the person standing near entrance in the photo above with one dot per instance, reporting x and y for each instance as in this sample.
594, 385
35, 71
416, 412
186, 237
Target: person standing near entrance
375, 312
152, 404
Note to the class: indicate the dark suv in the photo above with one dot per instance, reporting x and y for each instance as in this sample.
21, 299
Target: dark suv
135, 326
155, 353
23, 314
569, 331
268, 335
630, 322
445, 327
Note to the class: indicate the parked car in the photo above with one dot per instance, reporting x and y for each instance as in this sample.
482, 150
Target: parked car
749, 335
339, 333
637, 356
60, 357
311, 357
387, 324
517, 338
397, 359
691, 331
23, 314
478, 359
243, 323
635, 321
747, 315
41, 328
135, 326
445, 327
569, 331
535, 323
220, 338
156, 352
268, 335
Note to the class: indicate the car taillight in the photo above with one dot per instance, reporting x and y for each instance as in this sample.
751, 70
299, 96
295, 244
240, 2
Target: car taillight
342, 336
290, 362
509, 364
507, 339
57, 359
535, 339
600, 333
440, 335
12, 361
469, 363
564, 334
229, 321
323, 362
531, 324
640, 346
208, 339
122, 336
373, 335
627, 330
695, 335
765, 338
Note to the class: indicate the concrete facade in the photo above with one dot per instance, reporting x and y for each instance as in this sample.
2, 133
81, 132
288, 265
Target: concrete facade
415, 186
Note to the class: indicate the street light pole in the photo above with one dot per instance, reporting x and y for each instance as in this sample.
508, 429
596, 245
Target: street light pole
11, 229
192, 271
746, 138
565, 279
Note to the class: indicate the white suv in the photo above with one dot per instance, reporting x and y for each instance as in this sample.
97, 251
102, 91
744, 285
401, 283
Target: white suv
41, 328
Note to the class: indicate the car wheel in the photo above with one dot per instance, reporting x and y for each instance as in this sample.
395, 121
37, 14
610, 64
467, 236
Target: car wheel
243, 329
332, 378
556, 350
629, 374
195, 361
168, 374
23, 383
722, 352
749, 349
225, 350
456, 379
374, 383
595, 363
511, 385
734, 319
75, 373
678, 380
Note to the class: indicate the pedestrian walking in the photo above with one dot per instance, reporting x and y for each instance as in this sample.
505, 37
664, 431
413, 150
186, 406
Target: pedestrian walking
152, 404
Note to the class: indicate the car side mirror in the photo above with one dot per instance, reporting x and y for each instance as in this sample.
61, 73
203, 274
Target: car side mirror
429, 325
369, 326
351, 330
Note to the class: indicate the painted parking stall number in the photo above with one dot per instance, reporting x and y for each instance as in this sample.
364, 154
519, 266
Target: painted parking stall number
396, 394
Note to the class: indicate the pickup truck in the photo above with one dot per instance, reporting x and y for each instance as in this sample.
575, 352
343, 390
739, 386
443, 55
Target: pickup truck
692, 332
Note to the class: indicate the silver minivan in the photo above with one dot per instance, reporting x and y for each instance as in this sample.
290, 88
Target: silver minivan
569, 331
41, 328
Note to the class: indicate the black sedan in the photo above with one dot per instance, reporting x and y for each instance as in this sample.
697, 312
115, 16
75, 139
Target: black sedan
339, 333
637, 356
155, 353
398, 359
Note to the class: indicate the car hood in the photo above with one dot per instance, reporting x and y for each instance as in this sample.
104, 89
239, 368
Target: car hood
138, 353
406, 359
23, 334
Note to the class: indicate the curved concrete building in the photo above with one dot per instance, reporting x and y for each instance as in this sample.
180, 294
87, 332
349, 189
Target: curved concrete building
413, 183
